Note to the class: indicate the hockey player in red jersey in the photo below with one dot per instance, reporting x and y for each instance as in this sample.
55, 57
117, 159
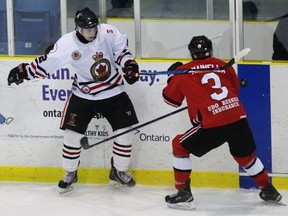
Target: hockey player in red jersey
93, 50
217, 116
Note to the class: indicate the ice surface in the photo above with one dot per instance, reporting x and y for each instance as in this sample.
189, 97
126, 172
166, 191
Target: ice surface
43, 199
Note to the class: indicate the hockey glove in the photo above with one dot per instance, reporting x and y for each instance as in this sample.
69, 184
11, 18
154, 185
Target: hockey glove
17, 74
131, 71
173, 67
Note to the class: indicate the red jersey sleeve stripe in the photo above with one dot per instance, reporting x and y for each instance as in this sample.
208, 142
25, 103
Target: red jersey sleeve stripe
171, 104
170, 101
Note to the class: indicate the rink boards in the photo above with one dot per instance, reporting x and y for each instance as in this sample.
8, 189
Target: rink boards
31, 141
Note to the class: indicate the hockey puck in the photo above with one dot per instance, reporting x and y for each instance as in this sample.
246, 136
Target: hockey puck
243, 83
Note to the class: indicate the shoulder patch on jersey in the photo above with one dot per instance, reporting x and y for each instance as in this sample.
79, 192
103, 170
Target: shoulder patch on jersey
76, 55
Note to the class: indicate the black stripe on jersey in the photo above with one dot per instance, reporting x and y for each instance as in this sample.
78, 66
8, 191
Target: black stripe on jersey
31, 72
126, 53
119, 59
40, 68
110, 87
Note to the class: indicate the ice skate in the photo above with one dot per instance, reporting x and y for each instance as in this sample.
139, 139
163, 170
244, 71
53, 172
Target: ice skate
182, 199
120, 179
270, 194
66, 184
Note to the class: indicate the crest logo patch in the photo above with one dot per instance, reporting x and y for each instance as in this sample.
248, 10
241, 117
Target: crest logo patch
101, 69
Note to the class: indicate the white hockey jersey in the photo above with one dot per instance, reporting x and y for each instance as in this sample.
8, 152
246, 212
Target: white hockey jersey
94, 64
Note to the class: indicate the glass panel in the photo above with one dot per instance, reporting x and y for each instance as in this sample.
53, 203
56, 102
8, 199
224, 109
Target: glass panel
117, 13
3, 28
179, 21
36, 24
184, 9
120, 8
221, 9
259, 34
74, 5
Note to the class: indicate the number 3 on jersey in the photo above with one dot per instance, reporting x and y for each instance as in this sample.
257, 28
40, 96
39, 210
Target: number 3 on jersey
217, 85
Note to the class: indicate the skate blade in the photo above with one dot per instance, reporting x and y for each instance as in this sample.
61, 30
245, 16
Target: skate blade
66, 190
281, 202
183, 205
118, 185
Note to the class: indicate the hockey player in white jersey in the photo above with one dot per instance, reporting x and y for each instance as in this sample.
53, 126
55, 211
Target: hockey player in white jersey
93, 50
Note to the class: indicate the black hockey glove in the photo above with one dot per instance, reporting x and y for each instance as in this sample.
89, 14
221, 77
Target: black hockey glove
131, 70
173, 67
17, 74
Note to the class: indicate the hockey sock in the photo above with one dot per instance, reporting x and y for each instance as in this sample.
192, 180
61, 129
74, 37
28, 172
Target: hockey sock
121, 156
181, 175
122, 149
71, 150
254, 168
182, 165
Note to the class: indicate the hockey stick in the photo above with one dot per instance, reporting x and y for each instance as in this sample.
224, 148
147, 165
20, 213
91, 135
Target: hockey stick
84, 140
232, 61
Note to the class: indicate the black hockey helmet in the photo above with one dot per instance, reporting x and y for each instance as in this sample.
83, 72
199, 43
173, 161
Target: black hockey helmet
86, 18
200, 47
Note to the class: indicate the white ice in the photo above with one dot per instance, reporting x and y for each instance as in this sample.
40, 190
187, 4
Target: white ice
43, 199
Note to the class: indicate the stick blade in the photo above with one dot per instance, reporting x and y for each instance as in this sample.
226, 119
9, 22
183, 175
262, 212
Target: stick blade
84, 143
241, 54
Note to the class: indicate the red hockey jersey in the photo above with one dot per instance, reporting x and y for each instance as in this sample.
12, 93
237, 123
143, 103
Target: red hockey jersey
212, 97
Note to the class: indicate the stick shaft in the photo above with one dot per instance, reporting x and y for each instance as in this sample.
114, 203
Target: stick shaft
137, 127
232, 61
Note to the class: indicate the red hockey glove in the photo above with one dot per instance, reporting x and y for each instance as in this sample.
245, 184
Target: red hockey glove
131, 70
17, 74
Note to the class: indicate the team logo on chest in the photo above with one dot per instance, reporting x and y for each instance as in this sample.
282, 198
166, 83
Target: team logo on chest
101, 69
